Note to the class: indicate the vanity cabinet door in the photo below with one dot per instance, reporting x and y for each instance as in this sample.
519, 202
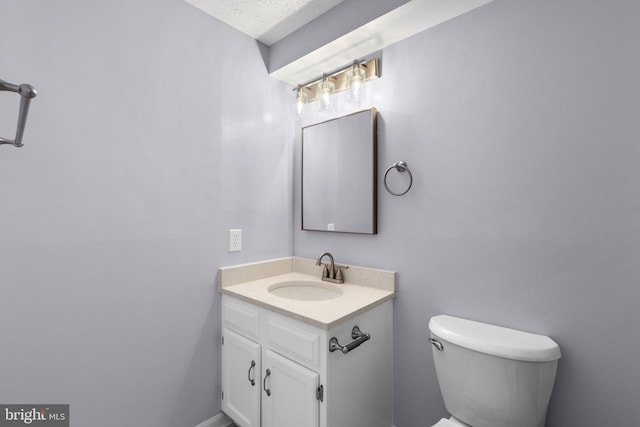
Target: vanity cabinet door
241, 383
289, 393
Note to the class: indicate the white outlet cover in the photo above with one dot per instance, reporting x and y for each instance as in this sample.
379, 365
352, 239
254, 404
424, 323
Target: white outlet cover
235, 240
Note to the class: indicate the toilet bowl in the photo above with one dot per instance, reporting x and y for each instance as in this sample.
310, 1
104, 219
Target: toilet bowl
491, 376
451, 422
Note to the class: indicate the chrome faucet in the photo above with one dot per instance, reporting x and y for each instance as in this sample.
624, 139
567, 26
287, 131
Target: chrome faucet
331, 272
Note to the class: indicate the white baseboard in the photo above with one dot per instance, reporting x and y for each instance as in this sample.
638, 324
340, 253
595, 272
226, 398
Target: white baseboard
220, 420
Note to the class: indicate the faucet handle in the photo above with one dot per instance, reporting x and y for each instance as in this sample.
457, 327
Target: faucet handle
325, 270
339, 271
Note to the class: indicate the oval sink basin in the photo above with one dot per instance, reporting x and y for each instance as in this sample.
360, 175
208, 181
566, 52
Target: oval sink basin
304, 290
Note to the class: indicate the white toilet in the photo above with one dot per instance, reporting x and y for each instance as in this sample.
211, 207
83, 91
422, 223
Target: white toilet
491, 376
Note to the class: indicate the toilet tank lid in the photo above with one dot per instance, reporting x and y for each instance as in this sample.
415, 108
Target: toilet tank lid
495, 340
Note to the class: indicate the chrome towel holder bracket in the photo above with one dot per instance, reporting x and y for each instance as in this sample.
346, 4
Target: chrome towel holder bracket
356, 334
26, 92
400, 166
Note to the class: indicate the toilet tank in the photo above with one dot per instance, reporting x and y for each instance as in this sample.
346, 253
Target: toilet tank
492, 376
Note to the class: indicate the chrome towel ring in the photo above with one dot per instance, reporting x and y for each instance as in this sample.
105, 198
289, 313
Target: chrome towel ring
400, 167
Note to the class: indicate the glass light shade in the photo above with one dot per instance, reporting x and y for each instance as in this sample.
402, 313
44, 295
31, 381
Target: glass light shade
355, 82
301, 100
326, 89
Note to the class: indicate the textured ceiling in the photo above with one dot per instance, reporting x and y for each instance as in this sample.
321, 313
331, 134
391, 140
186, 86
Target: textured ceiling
266, 20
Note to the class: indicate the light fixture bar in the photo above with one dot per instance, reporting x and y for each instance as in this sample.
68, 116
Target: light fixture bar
339, 78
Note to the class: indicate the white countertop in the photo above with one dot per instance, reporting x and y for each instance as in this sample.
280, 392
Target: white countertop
323, 314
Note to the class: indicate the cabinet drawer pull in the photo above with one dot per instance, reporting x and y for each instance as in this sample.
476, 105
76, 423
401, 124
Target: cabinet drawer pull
251, 380
264, 383
356, 334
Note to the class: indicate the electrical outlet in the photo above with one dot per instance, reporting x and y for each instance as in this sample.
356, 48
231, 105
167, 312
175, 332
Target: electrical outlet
235, 240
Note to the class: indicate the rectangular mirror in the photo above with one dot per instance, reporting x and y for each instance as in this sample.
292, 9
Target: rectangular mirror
339, 191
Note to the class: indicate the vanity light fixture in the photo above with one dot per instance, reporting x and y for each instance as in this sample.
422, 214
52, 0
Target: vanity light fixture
351, 77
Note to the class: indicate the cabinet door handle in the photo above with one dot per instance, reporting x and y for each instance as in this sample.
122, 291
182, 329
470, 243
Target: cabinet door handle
264, 383
251, 380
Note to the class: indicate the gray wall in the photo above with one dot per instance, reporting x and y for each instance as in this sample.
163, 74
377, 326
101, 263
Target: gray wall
156, 129
520, 122
142, 149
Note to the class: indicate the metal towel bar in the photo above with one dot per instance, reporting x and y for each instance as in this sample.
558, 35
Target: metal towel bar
26, 92
356, 334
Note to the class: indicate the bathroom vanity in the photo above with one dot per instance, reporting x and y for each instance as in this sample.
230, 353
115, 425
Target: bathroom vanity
314, 357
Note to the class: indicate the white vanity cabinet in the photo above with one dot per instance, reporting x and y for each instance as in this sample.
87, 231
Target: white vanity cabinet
277, 371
